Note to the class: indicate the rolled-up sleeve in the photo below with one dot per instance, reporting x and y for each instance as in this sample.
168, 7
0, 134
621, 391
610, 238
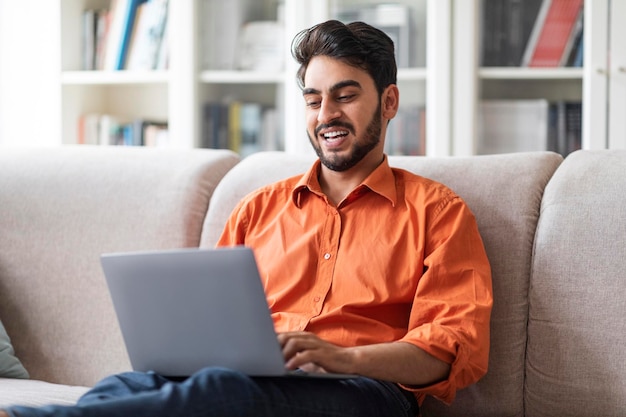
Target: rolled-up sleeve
452, 306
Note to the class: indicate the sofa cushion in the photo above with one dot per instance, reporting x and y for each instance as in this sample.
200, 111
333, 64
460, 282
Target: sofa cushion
10, 365
251, 173
61, 208
576, 362
504, 192
37, 393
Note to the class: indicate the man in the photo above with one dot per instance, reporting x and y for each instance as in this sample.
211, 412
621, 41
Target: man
368, 270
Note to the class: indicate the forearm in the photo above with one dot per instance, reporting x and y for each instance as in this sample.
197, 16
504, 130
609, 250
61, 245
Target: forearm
398, 362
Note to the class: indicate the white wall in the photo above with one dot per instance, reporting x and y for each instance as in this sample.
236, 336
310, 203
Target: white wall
30, 93
1, 37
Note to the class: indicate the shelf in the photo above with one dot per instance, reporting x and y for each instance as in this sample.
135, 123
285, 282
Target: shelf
411, 74
517, 73
113, 77
242, 77
256, 77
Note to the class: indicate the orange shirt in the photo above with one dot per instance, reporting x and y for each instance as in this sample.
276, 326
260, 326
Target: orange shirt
399, 259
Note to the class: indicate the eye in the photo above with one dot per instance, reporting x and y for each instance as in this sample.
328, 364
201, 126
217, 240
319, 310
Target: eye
313, 104
312, 101
346, 97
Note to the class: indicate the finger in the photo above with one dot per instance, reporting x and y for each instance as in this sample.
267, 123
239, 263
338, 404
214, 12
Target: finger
312, 367
302, 360
284, 337
294, 346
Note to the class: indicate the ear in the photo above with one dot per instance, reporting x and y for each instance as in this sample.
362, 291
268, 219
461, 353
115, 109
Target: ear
390, 101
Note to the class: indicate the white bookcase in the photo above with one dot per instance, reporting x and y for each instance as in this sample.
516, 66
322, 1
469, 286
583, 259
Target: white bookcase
600, 83
167, 95
280, 87
179, 93
604, 87
45, 91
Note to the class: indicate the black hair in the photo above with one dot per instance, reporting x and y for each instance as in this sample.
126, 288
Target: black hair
357, 44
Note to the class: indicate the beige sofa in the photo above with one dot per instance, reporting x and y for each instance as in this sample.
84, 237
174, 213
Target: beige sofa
555, 233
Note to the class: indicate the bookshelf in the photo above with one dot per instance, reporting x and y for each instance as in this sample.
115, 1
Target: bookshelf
593, 84
491, 41
278, 88
443, 75
162, 95
204, 69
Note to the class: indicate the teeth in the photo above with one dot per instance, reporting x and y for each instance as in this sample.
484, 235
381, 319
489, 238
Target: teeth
331, 135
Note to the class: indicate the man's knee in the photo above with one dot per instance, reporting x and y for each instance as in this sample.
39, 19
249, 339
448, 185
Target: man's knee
216, 379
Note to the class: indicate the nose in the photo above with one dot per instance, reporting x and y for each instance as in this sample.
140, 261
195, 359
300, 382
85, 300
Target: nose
328, 111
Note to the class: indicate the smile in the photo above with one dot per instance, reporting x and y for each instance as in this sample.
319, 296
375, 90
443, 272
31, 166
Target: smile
335, 134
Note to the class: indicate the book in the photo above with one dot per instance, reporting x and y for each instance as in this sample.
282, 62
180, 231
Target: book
565, 127
251, 126
215, 125
89, 39
571, 113
577, 56
234, 126
119, 33
572, 56
110, 131
553, 30
270, 131
507, 25
106, 129
513, 126
573, 40
135, 43
103, 20
573, 126
156, 134
88, 129
150, 36
244, 127
162, 55
114, 33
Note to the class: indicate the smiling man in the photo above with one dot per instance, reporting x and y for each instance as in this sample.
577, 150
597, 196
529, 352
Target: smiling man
340, 99
368, 270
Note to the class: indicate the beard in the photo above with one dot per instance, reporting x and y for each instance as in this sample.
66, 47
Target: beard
333, 160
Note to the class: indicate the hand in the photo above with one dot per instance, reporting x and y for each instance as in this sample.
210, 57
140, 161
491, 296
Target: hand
398, 362
310, 353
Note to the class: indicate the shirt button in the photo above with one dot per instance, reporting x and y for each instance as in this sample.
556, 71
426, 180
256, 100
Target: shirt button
316, 299
327, 256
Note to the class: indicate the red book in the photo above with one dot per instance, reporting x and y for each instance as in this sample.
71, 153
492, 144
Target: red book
554, 27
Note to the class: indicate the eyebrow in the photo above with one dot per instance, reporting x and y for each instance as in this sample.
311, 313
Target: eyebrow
338, 86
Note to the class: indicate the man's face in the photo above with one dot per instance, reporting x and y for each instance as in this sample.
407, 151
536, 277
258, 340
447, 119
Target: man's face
343, 113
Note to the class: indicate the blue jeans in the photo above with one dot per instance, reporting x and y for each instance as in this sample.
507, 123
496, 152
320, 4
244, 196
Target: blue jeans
223, 393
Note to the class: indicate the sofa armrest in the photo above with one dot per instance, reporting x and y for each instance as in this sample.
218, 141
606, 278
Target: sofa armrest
60, 208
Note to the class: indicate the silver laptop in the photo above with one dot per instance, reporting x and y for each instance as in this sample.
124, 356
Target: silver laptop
182, 310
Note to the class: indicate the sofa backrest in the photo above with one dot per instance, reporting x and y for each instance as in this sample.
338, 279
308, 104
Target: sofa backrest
576, 361
60, 208
504, 192
251, 173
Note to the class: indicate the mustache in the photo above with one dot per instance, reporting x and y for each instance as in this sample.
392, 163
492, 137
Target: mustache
345, 125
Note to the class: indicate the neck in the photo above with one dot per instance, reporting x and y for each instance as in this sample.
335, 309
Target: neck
338, 184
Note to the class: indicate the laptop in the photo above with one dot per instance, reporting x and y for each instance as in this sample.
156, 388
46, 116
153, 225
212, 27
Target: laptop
185, 309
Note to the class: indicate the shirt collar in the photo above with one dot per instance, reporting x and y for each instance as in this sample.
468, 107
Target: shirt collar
381, 181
